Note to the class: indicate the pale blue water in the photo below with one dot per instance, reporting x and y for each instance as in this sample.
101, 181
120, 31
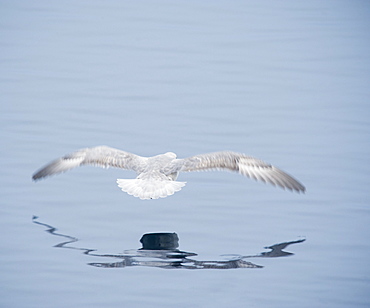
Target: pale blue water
287, 82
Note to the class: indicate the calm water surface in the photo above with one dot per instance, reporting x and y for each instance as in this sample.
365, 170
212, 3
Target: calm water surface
287, 82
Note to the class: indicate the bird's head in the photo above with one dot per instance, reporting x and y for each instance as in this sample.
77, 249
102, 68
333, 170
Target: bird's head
171, 155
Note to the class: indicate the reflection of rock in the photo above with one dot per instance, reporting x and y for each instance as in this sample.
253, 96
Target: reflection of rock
221, 264
160, 250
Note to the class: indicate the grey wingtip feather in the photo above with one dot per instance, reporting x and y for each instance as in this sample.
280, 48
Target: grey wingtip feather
35, 178
39, 175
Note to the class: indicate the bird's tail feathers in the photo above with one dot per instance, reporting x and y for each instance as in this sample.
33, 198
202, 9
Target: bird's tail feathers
145, 189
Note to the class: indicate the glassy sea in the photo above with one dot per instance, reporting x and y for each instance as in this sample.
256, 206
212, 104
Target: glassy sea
286, 82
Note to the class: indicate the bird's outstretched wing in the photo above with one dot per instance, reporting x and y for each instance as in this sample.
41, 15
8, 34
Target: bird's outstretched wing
245, 165
102, 156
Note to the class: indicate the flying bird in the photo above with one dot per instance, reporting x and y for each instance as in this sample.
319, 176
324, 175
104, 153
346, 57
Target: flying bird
156, 175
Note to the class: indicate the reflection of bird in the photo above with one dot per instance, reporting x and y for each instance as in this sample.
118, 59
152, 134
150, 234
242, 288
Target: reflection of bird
277, 249
157, 174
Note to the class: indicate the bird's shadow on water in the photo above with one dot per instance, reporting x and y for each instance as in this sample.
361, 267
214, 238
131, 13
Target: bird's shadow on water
161, 250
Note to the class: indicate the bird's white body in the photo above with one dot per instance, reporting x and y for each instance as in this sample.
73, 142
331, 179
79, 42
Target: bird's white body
156, 176
153, 182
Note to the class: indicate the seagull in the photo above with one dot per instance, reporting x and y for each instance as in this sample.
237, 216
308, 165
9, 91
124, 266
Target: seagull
156, 175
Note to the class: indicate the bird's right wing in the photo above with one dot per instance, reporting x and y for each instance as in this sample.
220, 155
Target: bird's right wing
101, 156
245, 165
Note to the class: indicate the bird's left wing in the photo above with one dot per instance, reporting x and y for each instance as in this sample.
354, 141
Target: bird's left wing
102, 156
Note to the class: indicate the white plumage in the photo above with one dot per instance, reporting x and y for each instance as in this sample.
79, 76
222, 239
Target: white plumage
156, 175
149, 189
